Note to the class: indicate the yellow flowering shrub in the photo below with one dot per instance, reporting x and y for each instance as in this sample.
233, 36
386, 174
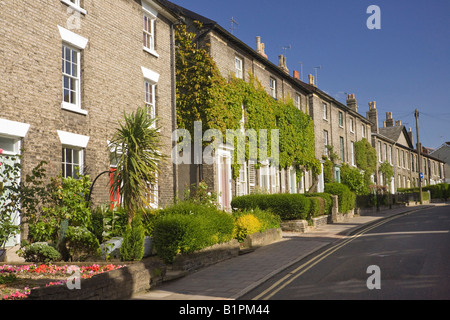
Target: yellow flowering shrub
244, 225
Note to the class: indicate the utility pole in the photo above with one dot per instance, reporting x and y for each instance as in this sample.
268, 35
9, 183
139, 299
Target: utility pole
419, 152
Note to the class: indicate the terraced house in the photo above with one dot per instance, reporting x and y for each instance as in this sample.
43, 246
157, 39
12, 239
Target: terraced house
70, 69
335, 124
395, 145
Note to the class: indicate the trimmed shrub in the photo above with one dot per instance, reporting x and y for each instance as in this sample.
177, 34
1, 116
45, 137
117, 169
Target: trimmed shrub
346, 198
286, 206
132, 248
246, 224
438, 191
81, 243
317, 207
187, 227
40, 252
327, 198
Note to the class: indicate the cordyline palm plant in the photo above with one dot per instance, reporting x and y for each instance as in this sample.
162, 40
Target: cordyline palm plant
137, 144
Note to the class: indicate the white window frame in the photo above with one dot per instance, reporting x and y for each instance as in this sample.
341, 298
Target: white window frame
352, 150
241, 181
72, 105
238, 67
298, 101
352, 125
325, 111
325, 142
149, 99
342, 148
292, 180
273, 87
76, 43
74, 142
390, 155
380, 158
264, 174
150, 14
64, 163
274, 179
363, 130
341, 119
74, 4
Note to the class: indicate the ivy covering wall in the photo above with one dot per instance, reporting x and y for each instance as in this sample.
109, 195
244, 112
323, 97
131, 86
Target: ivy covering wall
204, 95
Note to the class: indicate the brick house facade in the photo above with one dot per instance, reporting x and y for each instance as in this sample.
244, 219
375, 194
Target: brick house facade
340, 128
69, 71
395, 145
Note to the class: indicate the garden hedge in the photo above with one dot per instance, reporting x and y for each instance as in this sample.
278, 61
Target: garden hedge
286, 206
438, 191
187, 227
346, 198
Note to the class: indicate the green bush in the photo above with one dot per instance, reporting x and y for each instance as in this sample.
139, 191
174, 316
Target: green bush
438, 191
286, 206
132, 248
317, 207
187, 227
40, 252
346, 198
327, 198
107, 223
81, 243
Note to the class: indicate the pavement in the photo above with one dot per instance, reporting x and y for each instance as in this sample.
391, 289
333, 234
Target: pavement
233, 278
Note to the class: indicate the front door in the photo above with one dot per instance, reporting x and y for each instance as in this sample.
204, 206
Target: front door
223, 164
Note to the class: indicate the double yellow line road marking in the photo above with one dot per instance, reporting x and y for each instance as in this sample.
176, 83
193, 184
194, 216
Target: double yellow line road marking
291, 276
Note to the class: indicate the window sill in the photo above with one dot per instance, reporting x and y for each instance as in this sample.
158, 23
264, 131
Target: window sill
152, 52
74, 6
73, 108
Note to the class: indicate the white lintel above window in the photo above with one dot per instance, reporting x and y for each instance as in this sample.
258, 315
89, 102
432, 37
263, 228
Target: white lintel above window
74, 5
72, 38
13, 128
149, 10
73, 139
151, 76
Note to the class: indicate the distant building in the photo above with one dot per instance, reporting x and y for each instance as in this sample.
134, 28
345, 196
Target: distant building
443, 154
394, 144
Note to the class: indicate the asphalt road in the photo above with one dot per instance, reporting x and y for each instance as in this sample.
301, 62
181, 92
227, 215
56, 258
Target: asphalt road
406, 257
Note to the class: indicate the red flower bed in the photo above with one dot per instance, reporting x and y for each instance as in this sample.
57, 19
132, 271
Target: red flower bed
16, 282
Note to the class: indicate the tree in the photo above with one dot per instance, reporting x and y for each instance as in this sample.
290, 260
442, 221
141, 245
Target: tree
137, 144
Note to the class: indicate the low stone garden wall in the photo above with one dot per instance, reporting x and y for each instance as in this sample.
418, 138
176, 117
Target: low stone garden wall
140, 276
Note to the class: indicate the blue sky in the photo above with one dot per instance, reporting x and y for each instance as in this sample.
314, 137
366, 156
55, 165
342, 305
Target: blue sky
402, 66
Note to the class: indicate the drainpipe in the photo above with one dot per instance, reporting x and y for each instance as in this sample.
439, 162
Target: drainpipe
174, 100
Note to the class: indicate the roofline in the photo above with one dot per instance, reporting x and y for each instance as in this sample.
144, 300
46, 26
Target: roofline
167, 12
303, 86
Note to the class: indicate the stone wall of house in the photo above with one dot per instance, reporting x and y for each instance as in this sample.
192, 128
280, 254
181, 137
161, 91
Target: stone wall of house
112, 80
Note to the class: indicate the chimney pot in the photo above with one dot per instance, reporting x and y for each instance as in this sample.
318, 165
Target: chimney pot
260, 47
296, 75
352, 103
311, 79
